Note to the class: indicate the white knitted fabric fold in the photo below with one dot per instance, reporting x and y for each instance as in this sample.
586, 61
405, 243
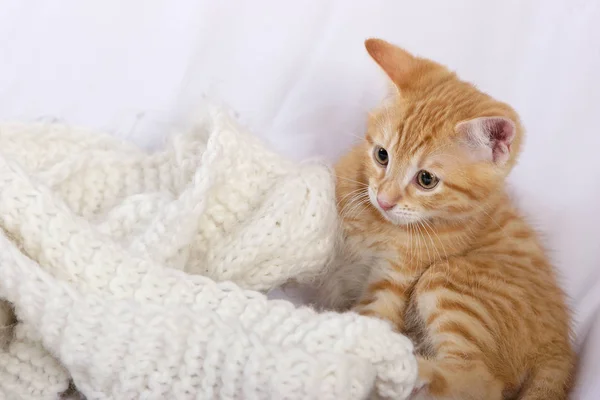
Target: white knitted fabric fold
112, 258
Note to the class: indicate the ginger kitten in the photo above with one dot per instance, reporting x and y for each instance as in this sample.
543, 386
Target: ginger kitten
435, 246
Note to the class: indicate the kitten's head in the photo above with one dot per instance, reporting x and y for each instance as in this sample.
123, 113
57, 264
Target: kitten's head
439, 148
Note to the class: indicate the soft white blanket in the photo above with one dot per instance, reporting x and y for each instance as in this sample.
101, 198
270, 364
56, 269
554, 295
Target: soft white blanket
112, 258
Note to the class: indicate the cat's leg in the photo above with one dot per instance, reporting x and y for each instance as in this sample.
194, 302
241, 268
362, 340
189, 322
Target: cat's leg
386, 292
457, 328
450, 378
551, 376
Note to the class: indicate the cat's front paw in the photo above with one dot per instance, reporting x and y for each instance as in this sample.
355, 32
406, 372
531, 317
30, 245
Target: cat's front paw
420, 394
425, 374
420, 391
364, 309
381, 310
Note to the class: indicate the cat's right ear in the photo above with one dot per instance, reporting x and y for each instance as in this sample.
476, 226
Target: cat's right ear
396, 62
488, 138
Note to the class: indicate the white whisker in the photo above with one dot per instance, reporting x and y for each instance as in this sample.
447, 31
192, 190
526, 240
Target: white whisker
353, 181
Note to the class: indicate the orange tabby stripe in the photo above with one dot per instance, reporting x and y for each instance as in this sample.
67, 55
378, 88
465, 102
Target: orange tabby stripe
420, 144
462, 190
387, 285
458, 329
453, 305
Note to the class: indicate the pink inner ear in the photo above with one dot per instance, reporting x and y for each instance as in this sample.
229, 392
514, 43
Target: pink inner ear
490, 137
501, 134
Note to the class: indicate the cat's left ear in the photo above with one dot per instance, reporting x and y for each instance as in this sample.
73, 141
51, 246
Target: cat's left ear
488, 138
396, 62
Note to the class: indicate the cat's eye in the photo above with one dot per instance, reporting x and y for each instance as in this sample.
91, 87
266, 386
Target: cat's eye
381, 155
426, 179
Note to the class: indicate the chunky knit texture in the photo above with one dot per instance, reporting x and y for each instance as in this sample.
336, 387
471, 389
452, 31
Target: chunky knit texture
140, 275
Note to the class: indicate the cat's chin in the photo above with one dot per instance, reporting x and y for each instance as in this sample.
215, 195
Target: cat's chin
399, 218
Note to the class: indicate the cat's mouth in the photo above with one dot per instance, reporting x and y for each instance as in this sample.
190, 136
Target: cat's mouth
396, 215
400, 217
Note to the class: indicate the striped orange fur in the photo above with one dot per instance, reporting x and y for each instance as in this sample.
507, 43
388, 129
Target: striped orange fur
455, 266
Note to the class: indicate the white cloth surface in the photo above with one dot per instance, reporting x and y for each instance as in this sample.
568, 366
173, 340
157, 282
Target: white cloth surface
96, 234
297, 74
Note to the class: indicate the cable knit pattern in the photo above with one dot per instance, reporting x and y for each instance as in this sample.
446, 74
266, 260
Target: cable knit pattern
140, 275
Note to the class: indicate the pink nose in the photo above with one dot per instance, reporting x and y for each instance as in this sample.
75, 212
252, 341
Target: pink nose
384, 204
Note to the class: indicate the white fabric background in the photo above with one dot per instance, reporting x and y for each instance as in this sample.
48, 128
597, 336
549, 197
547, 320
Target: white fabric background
297, 74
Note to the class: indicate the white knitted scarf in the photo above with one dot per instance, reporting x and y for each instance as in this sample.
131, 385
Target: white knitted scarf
139, 276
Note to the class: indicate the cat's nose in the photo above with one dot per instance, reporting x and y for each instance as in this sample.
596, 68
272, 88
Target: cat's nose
385, 205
